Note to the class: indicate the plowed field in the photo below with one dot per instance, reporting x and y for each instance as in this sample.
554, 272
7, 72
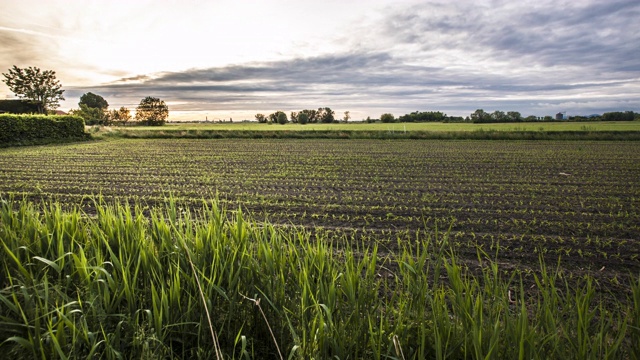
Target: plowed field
578, 201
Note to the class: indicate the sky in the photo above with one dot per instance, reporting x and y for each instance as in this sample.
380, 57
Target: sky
222, 59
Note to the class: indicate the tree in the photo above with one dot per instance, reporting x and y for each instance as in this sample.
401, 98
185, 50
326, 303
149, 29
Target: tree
261, 118
152, 111
294, 117
93, 109
424, 116
303, 118
619, 116
514, 116
326, 115
278, 117
35, 85
387, 118
122, 115
499, 116
346, 116
94, 101
312, 115
91, 116
282, 118
480, 116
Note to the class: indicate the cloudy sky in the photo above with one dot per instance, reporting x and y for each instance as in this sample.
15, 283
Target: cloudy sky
234, 58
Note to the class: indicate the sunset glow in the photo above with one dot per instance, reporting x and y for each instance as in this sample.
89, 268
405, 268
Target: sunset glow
232, 59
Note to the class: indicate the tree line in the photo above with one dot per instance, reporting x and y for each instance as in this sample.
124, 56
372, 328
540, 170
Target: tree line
307, 116
94, 109
499, 116
481, 116
41, 91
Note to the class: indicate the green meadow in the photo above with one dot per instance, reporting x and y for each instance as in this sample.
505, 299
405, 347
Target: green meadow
401, 127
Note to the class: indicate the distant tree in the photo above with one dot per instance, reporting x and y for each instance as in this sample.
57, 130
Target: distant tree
282, 118
294, 117
618, 116
120, 116
369, 120
326, 115
261, 118
387, 118
94, 101
499, 116
33, 84
531, 118
152, 111
303, 118
480, 116
278, 117
424, 116
514, 116
312, 115
346, 116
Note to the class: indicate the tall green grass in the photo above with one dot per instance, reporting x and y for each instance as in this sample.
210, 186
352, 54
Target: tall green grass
168, 282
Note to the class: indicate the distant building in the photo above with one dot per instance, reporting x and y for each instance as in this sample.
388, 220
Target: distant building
18, 107
559, 116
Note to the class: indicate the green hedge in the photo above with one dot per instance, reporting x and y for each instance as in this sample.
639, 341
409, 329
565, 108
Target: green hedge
35, 128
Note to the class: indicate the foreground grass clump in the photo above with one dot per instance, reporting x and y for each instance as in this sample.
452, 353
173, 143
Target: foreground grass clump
132, 282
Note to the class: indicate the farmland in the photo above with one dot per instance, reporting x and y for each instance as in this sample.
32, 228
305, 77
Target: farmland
600, 131
400, 127
514, 203
578, 201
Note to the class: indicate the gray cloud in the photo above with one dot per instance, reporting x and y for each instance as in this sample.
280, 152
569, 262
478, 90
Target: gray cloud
133, 79
456, 57
594, 35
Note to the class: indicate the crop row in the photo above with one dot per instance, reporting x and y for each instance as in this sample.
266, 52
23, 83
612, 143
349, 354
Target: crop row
575, 200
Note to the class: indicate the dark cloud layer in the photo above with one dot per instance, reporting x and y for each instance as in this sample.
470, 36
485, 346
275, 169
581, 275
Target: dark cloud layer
581, 57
